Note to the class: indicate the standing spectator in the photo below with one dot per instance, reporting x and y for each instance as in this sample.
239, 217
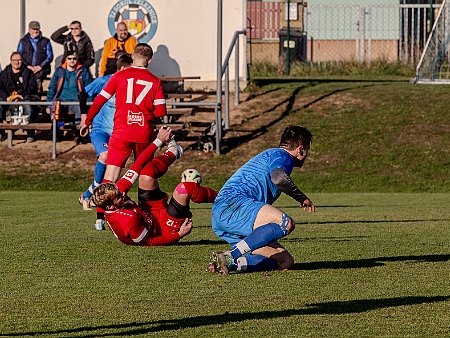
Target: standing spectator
75, 41
18, 83
68, 84
37, 52
121, 41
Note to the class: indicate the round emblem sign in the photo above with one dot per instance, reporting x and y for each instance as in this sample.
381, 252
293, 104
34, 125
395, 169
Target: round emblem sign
139, 16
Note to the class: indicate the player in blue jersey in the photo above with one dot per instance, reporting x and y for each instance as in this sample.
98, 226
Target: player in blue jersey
243, 214
102, 126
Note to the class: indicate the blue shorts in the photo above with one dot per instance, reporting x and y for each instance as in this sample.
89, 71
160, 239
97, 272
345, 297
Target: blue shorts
233, 217
99, 140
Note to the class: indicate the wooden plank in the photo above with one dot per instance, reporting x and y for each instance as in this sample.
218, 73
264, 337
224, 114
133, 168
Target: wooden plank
29, 126
179, 78
179, 111
179, 96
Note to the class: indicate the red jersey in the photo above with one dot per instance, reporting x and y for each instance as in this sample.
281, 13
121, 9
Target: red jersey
133, 225
139, 99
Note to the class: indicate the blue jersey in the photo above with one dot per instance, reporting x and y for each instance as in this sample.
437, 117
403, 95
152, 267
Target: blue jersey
253, 179
104, 120
246, 192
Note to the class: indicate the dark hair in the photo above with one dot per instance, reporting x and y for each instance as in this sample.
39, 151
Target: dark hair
124, 60
143, 51
75, 22
16, 53
295, 136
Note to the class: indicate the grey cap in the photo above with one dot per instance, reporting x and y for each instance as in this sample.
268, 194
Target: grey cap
34, 25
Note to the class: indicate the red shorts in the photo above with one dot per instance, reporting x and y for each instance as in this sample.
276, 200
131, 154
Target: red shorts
119, 151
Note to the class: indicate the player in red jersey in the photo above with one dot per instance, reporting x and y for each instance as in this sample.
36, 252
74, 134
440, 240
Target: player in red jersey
139, 99
159, 222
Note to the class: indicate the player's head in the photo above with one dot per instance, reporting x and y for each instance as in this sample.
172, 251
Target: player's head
296, 140
143, 53
108, 197
124, 61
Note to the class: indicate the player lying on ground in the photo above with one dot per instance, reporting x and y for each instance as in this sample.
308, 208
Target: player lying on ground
154, 222
243, 214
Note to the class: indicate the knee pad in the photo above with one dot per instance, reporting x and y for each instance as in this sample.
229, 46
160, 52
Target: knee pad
284, 223
178, 210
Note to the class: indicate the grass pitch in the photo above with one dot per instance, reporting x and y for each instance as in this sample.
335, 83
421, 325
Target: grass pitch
367, 265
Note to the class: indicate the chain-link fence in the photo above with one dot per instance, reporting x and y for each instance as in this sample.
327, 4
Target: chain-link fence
336, 33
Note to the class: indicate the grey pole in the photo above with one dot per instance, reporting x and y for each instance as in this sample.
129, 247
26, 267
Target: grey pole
219, 78
236, 73
23, 23
227, 98
54, 126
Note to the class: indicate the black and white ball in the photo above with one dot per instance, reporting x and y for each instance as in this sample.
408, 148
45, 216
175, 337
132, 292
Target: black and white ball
191, 175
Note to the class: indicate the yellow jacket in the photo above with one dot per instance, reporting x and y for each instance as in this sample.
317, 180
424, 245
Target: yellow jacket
112, 46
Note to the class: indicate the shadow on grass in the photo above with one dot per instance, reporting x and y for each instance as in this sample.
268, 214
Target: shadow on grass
233, 142
376, 221
368, 263
201, 242
325, 308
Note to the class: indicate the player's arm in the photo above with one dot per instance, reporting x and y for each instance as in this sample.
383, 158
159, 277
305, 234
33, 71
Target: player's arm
283, 182
169, 238
104, 95
160, 102
141, 236
127, 180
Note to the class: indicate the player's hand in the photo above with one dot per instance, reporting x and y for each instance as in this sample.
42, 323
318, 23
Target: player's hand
308, 205
164, 134
84, 130
185, 228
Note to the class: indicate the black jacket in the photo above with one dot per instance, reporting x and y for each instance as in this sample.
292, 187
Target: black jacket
28, 84
27, 52
84, 48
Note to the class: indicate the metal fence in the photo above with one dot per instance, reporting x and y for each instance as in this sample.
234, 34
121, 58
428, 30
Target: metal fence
345, 32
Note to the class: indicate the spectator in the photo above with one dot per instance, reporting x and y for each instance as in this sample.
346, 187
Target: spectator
18, 83
75, 41
37, 52
122, 41
67, 84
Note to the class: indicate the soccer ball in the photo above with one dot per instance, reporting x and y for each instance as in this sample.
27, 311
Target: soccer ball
191, 175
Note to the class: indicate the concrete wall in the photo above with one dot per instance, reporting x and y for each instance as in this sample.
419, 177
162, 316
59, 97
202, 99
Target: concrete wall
184, 42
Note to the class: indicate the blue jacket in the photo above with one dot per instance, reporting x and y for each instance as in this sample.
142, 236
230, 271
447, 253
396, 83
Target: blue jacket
67, 85
36, 52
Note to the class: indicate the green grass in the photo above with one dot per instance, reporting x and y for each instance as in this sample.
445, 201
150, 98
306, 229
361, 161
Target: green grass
367, 265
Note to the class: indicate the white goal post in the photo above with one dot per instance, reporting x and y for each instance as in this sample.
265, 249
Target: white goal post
434, 64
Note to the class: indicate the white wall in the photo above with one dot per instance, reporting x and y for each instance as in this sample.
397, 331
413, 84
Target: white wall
187, 30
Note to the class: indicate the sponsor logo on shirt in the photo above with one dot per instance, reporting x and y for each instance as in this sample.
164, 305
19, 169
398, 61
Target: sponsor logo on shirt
135, 118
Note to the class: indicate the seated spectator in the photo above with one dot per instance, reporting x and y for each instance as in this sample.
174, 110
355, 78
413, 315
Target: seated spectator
37, 52
121, 42
75, 40
18, 83
67, 84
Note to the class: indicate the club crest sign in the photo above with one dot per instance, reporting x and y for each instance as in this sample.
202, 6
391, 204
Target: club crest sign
139, 16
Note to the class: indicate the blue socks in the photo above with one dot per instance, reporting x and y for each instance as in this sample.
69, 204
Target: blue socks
255, 263
99, 173
258, 238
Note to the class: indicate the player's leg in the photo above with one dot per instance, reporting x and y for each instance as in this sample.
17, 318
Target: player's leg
191, 191
270, 224
178, 209
149, 189
118, 153
100, 141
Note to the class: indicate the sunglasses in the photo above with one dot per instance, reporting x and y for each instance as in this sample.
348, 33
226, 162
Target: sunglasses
71, 59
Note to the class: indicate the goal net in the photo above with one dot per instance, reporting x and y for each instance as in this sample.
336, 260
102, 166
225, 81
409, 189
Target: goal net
434, 64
